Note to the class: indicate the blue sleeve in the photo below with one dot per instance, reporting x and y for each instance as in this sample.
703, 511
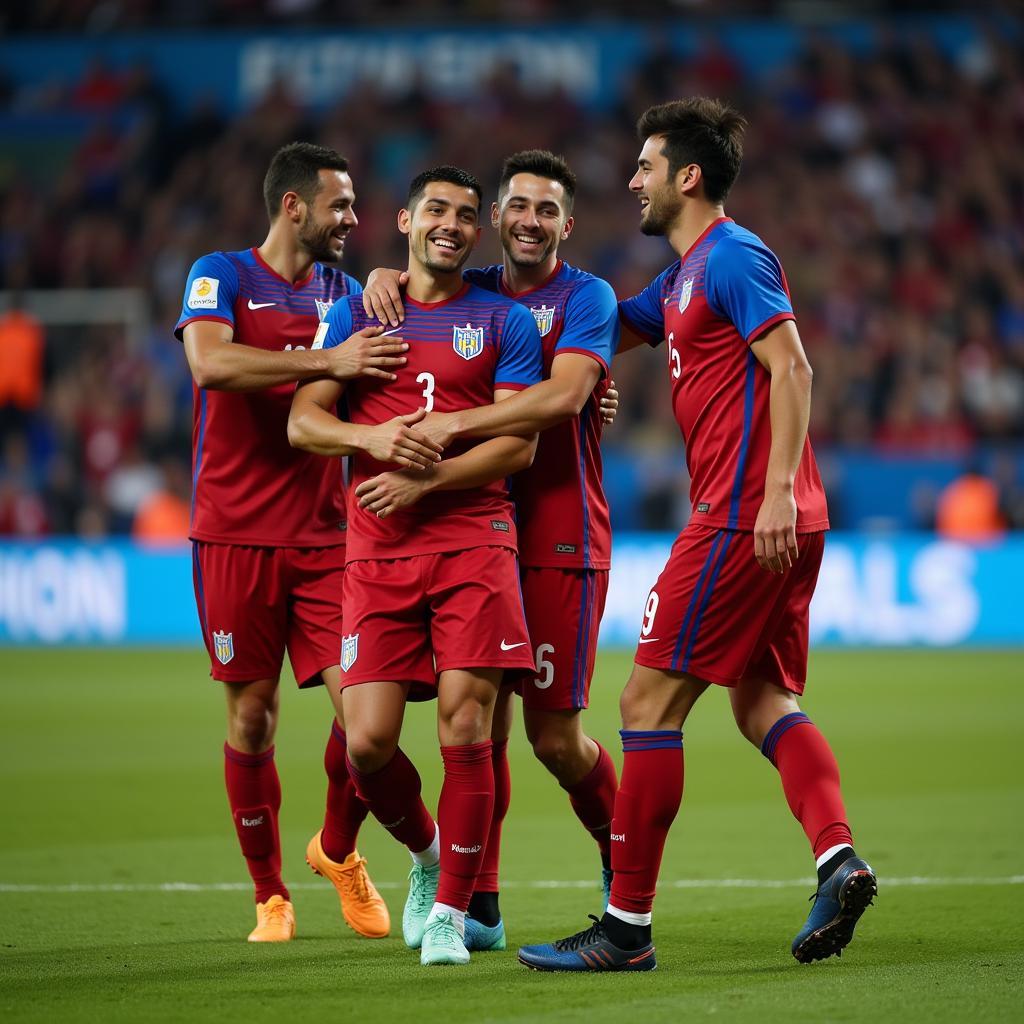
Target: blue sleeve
336, 327
519, 350
210, 292
644, 312
744, 284
591, 322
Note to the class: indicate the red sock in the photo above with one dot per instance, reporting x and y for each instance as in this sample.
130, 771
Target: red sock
464, 813
345, 811
645, 807
254, 793
487, 879
393, 797
810, 780
593, 800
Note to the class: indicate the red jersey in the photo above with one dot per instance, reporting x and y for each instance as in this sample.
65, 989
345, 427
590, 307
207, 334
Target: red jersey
249, 486
561, 510
460, 351
710, 305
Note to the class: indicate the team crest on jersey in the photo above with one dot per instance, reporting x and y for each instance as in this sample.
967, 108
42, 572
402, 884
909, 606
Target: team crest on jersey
468, 341
545, 317
322, 307
224, 646
349, 651
203, 293
684, 295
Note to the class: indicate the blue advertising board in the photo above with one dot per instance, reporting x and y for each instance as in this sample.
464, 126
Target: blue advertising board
905, 590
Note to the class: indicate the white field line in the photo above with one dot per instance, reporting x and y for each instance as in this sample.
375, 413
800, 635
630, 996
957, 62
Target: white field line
578, 883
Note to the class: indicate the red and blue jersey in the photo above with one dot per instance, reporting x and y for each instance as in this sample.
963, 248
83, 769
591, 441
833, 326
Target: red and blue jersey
461, 350
710, 306
249, 485
561, 509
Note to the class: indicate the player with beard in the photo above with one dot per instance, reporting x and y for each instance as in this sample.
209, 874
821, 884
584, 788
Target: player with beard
731, 606
431, 603
561, 511
268, 523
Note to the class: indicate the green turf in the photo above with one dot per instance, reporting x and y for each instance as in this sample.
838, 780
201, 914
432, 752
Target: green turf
110, 772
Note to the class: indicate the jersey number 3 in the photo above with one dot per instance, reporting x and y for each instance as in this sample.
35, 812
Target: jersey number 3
427, 380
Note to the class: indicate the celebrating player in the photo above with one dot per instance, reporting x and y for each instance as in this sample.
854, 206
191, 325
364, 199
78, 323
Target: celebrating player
731, 605
431, 598
268, 523
561, 511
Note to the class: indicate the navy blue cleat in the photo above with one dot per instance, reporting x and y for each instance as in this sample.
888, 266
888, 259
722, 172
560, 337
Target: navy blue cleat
838, 904
588, 950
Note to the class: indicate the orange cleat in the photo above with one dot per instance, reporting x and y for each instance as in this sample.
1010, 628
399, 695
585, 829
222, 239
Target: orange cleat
364, 910
275, 921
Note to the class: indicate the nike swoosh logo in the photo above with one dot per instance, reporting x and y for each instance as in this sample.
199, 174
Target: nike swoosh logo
649, 640
260, 305
511, 647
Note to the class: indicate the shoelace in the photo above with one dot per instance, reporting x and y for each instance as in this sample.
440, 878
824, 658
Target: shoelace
444, 933
595, 933
421, 899
360, 879
276, 912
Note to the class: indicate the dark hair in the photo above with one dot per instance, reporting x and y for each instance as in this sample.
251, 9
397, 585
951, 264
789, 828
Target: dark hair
699, 131
544, 164
296, 168
452, 175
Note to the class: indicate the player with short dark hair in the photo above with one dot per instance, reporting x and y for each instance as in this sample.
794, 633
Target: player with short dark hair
731, 606
268, 523
431, 601
561, 510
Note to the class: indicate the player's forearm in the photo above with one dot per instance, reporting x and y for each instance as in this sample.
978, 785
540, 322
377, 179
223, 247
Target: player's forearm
314, 429
789, 412
530, 411
486, 462
234, 367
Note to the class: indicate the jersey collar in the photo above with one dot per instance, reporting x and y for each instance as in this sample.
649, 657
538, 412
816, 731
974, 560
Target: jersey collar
295, 285
505, 290
704, 234
441, 302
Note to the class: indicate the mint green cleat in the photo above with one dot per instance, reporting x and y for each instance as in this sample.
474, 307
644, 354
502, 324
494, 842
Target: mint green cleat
442, 943
422, 891
483, 938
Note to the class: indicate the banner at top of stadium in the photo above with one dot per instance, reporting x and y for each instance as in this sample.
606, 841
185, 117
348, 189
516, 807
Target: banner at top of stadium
321, 68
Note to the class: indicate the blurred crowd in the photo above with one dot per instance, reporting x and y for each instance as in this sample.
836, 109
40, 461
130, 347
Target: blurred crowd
891, 185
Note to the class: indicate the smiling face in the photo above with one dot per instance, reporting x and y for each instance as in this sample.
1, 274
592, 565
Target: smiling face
531, 219
660, 200
443, 227
329, 218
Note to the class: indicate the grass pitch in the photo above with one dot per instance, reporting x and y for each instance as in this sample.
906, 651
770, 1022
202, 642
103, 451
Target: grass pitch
124, 898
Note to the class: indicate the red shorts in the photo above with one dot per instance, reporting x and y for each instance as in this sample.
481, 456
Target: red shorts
255, 603
563, 613
716, 614
409, 619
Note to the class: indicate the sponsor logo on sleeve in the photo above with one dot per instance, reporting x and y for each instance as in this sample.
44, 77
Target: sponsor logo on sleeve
501, 526
565, 549
224, 646
203, 293
545, 317
468, 341
704, 506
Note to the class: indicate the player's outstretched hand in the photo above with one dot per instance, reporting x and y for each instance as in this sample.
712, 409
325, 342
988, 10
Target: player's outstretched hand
382, 296
366, 354
610, 404
396, 441
388, 492
775, 546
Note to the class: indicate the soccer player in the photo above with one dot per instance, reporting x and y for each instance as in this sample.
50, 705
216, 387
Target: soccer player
268, 523
431, 599
731, 605
561, 511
